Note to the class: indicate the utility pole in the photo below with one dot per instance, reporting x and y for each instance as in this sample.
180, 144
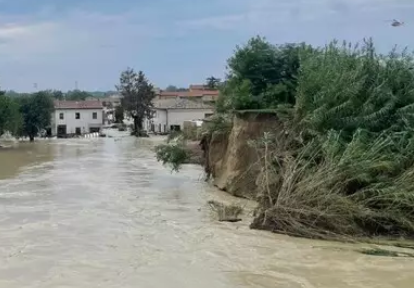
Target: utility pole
76, 85
35, 86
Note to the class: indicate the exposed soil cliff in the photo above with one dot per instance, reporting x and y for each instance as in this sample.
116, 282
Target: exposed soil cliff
234, 163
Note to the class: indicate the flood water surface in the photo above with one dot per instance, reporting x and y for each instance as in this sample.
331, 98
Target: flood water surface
104, 213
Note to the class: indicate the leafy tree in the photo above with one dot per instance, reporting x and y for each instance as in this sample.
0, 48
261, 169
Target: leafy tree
264, 73
12, 93
212, 82
119, 114
138, 95
171, 88
10, 117
58, 95
36, 111
77, 95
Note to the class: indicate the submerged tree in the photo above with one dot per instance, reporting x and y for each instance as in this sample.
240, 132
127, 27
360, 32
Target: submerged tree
138, 95
119, 114
10, 117
36, 110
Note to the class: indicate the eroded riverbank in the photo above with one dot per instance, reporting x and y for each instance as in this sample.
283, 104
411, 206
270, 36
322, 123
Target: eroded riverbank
104, 213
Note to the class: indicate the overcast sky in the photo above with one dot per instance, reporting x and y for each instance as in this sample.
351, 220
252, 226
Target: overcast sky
55, 43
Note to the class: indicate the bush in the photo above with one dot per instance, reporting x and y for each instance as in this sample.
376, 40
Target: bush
261, 75
174, 135
220, 123
174, 153
344, 167
328, 188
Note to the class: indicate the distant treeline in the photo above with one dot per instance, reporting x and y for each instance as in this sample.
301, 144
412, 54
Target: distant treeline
69, 95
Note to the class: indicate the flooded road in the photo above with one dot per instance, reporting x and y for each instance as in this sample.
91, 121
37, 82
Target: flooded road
104, 213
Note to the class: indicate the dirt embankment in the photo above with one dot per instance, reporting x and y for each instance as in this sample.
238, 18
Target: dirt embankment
234, 162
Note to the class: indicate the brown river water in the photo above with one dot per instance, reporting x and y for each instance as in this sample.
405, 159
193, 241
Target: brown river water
103, 213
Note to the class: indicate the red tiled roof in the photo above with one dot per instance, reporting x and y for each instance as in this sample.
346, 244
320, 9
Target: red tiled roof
92, 104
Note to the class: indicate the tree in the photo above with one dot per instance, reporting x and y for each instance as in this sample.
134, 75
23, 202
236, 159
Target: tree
261, 75
212, 82
119, 114
10, 117
171, 88
58, 95
36, 110
138, 94
75, 95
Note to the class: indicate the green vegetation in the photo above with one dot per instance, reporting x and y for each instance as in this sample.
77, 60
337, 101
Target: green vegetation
173, 153
260, 76
36, 110
342, 164
138, 95
172, 88
119, 114
74, 95
177, 152
212, 82
25, 115
77, 95
10, 117
219, 123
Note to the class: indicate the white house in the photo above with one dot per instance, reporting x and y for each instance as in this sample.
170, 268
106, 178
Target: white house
170, 114
76, 117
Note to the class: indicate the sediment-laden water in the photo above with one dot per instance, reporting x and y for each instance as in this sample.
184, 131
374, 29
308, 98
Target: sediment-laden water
103, 213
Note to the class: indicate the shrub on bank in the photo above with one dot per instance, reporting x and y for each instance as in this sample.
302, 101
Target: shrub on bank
173, 153
342, 166
346, 165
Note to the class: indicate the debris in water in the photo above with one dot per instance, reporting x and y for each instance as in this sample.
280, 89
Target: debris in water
226, 213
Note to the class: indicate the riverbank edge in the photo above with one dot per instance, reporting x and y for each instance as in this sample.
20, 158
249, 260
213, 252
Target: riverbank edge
226, 170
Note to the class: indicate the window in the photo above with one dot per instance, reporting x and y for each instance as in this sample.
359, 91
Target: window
77, 115
61, 117
94, 115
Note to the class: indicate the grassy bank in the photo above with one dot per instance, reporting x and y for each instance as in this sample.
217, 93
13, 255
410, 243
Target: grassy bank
344, 164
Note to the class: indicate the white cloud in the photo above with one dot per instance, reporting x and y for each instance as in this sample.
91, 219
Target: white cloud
24, 39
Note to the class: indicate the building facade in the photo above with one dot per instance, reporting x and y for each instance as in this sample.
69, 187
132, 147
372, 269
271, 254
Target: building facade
170, 114
76, 118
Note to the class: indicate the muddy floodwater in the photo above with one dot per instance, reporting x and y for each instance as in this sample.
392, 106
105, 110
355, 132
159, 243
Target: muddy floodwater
103, 213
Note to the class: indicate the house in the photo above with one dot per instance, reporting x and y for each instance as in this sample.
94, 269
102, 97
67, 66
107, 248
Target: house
195, 92
76, 118
170, 114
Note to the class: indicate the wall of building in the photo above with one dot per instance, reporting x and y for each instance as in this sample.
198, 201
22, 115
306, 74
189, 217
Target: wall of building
178, 116
158, 122
85, 122
165, 118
